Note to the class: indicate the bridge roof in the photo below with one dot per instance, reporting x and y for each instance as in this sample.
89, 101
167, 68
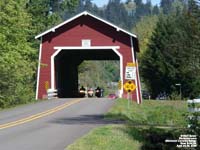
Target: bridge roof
79, 15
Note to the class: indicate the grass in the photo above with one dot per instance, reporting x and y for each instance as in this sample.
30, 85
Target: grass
111, 137
124, 137
151, 112
141, 131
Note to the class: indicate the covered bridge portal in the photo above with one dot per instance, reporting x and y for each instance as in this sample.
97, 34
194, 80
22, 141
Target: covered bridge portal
84, 37
66, 67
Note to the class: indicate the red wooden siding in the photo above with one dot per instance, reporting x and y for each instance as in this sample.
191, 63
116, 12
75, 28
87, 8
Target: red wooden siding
71, 34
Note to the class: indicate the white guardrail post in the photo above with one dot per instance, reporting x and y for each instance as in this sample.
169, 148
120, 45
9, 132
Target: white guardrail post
52, 93
194, 109
191, 105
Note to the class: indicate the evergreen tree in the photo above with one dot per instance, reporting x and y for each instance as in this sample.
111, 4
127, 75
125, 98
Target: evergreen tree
192, 27
142, 9
44, 14
166, 6
144, 29
116, 13
155, 10
173, 55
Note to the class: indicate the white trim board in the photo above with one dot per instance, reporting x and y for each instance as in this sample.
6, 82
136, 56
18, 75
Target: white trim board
79, 15
140, 91
38, 72
59, 49
133, 59
84, 48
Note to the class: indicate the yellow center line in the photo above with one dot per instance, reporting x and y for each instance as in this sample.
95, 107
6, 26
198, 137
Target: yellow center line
39, 115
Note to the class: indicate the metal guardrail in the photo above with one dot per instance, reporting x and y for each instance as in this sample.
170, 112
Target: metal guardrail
52, 93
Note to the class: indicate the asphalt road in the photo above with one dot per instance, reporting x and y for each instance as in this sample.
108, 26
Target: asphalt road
61, 122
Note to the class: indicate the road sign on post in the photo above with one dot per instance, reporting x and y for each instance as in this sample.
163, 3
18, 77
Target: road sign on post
129, 86
130, 73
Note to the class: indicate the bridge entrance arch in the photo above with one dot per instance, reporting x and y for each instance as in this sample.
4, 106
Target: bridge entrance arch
67, 59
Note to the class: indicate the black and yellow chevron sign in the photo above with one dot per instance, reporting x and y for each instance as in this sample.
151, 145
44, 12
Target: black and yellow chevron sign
129, 86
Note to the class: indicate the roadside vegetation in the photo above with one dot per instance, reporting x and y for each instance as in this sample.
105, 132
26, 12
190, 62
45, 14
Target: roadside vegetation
169, 41
150, 112
143, 127
111, 137
20, 21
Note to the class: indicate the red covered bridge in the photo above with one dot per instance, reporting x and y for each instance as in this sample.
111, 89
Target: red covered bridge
83, 37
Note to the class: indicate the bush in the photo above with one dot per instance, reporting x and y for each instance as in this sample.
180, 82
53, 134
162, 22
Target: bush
175, 96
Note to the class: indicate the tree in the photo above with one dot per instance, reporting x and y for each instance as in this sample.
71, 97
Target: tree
20, 21
16, 67
98, 73
173, 55
144, 29
47, 13
166, 5
130, 7
155, 10
169, 6
116, 13
193, 31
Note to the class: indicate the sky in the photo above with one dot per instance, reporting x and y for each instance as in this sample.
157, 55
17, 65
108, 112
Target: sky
103, 2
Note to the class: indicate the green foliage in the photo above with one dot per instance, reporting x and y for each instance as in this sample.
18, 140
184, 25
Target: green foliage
194, 121
124, 14
45, 14
175, 96
117, 137
99, 73
173, 55
17, 69
142, 131
113, 14
144, 29
151, 112
176, 35
169, 6
106, 138
20, 21
166, 5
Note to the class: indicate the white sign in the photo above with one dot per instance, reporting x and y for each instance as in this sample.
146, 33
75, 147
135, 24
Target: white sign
130, 73
86, 43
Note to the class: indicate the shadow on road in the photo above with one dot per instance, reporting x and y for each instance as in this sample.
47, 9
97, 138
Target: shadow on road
87, 119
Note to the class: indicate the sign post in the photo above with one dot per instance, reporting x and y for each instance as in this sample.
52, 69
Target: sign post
129, 87
130, 75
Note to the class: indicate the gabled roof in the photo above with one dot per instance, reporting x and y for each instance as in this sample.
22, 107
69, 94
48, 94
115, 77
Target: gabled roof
79, 15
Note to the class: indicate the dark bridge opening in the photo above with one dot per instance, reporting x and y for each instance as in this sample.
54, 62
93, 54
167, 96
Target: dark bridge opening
66, 68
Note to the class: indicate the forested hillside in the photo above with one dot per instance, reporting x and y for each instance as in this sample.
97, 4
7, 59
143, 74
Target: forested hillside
171, 60
169, 37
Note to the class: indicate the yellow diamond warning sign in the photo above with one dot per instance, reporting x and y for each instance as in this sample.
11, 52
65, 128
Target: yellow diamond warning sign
129, 86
